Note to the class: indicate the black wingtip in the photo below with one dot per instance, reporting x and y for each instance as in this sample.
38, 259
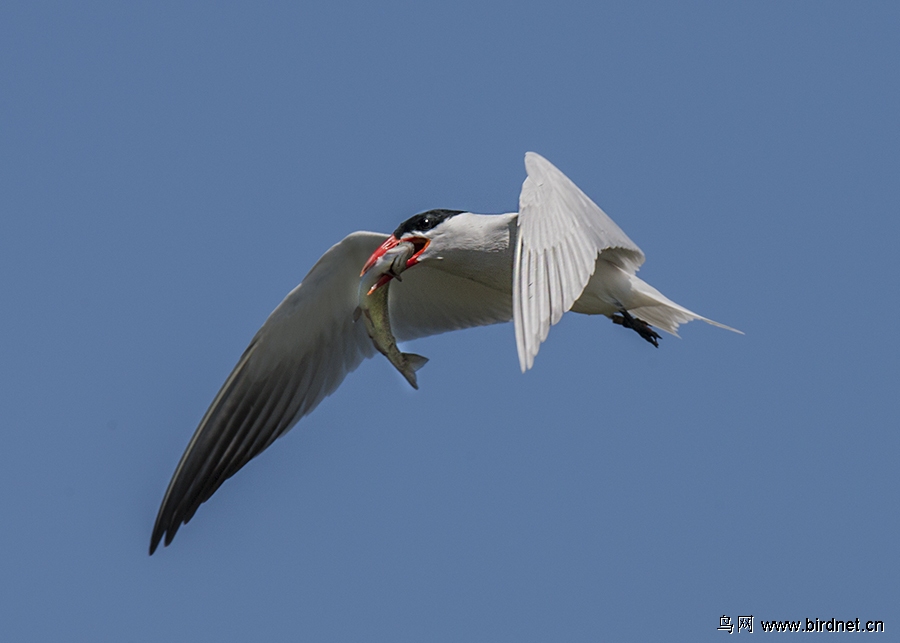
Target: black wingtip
162, 533
158, 532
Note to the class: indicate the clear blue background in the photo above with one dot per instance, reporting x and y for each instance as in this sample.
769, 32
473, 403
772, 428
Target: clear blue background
169, 171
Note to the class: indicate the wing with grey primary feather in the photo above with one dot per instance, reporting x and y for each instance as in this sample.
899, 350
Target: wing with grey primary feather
560, 234
300, 355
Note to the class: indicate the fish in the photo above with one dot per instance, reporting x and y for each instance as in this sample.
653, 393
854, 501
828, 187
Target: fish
373, 307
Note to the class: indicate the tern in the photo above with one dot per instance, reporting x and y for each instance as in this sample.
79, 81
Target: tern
559, 252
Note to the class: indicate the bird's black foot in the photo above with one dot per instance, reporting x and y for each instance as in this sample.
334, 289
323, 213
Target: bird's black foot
641, 327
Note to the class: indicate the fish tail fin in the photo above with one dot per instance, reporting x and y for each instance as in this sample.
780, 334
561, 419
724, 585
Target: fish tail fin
415, 362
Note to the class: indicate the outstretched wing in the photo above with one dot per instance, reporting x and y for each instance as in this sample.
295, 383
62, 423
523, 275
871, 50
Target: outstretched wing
299, 356
560, 234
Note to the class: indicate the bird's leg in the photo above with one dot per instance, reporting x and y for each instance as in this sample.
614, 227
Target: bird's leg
642, 328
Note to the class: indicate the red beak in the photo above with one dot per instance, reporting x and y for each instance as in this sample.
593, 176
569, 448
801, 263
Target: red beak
420, 244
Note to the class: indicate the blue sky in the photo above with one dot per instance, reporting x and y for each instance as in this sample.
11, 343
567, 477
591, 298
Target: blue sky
171, 170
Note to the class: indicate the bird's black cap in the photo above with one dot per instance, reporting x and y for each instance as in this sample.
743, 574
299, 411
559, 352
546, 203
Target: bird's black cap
424, 221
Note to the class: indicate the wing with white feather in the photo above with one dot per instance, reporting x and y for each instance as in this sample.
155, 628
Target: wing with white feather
430, 301
299, 356
560, 234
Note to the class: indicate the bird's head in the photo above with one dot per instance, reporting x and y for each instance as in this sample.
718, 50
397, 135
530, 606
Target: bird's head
421, 230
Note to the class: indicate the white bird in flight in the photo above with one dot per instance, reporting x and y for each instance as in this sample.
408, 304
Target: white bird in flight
560, 252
